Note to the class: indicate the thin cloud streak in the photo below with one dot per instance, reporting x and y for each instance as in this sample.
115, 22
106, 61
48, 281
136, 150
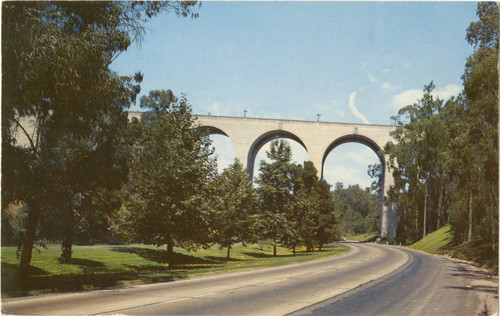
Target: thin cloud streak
354, 110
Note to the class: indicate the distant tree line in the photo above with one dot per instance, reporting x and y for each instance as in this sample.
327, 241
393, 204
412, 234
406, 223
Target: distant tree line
445, 158
359, 208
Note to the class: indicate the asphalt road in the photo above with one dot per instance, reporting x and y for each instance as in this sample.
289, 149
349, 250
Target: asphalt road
368, 280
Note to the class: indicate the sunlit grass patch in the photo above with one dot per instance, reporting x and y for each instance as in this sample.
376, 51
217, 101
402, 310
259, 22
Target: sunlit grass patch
367, 237
435, 242
101, 266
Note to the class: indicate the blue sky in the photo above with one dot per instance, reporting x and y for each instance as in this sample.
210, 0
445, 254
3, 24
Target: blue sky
353, 62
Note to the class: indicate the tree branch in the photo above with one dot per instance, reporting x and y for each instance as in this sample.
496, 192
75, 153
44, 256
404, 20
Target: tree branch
26, 134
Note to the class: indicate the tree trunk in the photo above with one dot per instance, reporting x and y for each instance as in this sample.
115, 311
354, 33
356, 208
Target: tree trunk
440, 200
425, 212
492, 220
274, 250
469, 237
170, 254
29, 240
294, 250
229, 251
68, 238
416, 220
492, 229
429, 208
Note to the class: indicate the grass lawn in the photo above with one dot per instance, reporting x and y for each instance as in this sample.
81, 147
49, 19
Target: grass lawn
102, 266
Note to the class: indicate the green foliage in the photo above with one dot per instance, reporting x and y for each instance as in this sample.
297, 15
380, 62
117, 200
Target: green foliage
232, 218
171, 166
359, 209
296, 208
275, 193
418, 163
445, 162
59, 94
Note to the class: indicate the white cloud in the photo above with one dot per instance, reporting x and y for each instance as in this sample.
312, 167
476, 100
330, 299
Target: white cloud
448, 91
405, 98
354, 110
386, 70
364, 156
346, 175
413, 95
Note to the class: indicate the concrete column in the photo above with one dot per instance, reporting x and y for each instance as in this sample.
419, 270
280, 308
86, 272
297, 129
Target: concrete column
315, 155
241, 152
388, 216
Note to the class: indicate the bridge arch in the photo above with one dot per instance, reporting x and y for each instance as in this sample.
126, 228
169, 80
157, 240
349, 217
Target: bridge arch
356, 138
223, 146
212, 130
248, 135
264, 139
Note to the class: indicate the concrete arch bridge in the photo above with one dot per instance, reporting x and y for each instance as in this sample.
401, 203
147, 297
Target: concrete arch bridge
248, 135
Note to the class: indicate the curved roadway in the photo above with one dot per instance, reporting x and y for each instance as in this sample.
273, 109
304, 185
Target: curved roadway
368, 280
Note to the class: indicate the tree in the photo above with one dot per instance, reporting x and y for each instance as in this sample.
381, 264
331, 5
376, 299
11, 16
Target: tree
311, 217
232, 217
327, 227
446, 159
58, 90
275, 193
375, 172
481, 115
171, 166
415, 159
358, 208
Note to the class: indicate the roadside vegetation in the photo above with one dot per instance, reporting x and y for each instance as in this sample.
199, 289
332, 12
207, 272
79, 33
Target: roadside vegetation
359, 210
103, 266
442, 242
445, 155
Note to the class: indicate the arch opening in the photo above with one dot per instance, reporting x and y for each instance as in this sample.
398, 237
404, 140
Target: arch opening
354, 138
348, 158
222, 146
266, 138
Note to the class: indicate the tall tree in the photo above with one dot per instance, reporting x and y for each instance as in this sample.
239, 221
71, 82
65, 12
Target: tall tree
275, 193
171, 166
481, 108
455, 170
232, 216
415, 158
58, 90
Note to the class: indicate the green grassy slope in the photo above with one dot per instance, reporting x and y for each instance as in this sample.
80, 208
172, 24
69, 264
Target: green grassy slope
441, 242
436, 242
